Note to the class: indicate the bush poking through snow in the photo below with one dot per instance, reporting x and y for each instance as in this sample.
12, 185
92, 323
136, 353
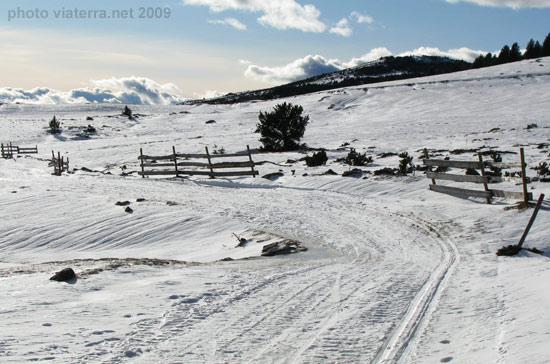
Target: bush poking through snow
127, 112
282, 129
357, 159
542, 170
317, 159
55, 126
406, 165
496, 157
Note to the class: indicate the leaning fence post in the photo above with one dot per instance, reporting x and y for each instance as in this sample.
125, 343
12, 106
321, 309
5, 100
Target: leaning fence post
485, 185
209, 163
524, 177
531, 221
175, 160
251, 161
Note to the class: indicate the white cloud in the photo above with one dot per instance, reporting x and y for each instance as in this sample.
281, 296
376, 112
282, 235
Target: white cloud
342, 28
514, 4
464, 54
279, 14
373, 55
360, 18
311, 65
229, 21
130, 90
308, 66
209, 94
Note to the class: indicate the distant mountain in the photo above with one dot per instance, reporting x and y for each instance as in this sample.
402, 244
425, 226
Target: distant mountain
384, 69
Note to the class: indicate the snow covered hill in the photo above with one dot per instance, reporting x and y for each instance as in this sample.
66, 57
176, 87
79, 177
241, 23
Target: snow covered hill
393, 272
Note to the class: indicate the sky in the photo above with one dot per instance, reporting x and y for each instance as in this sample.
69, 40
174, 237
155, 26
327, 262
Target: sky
147, 51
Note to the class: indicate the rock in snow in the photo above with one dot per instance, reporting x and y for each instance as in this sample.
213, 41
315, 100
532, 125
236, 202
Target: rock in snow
64, 275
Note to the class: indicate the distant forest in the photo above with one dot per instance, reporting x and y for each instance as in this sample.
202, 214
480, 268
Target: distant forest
513, 54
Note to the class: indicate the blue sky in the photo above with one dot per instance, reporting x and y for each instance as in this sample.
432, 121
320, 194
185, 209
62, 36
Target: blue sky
199, 47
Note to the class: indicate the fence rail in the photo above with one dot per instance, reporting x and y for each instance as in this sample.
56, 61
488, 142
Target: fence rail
8, 150
482, 178
181, 161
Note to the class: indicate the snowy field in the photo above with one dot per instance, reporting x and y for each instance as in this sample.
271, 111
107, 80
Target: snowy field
393, 272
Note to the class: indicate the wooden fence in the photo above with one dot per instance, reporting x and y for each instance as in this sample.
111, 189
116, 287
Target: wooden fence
482, 178
8, 150
60, 164
179, 163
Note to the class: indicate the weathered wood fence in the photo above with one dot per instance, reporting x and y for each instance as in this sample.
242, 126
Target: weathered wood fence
8, 150
482, 178
60, 164
177, 164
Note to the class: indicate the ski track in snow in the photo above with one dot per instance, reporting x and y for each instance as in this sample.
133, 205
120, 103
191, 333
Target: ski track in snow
394, 273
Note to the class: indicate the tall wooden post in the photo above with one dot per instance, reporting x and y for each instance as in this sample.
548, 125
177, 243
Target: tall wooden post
141, 162
427, 156
175, 159
59, 163
209, 163
524, 177
485, 185
2, 150
251, 161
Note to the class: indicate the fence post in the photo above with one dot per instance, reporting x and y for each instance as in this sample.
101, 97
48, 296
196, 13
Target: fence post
531, 221
427, 156
175, 160
251, 161
59, 163
209, 163
524, 177
141, 159
485, 185
2, 150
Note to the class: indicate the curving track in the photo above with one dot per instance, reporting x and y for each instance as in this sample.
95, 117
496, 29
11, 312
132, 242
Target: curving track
361, 294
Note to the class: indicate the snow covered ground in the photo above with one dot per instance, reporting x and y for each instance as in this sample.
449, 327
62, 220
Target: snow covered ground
393, 272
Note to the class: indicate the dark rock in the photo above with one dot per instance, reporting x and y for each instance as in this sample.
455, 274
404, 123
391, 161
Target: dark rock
211, 122
330, 172
290, 161
140, 200
171, 203
273, 176
129, 210
228, 259
384, 172
64, 275
386, 155
282, 247
353, 173
89, 118
122, 203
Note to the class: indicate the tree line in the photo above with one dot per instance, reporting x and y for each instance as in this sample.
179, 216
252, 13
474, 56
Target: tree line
513, 54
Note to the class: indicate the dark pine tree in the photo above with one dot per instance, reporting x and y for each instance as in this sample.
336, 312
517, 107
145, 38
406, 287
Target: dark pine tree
515, 53
282, 129
479, 62
504, 55
490, 60
546, 46
530, 50
537, 50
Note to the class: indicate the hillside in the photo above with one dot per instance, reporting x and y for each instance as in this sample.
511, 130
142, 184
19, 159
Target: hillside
394, 273
384, 69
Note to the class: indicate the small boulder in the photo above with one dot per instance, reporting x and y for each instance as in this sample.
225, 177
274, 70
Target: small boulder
282, 247
210, 122
64, 275
128, 210
273, 176
353, 173
384, 172
330, 172
122, 203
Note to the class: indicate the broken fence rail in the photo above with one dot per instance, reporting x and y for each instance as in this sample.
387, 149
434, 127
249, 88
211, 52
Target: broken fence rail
8, 150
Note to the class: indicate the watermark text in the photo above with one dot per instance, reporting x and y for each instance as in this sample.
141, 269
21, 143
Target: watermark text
85, 14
